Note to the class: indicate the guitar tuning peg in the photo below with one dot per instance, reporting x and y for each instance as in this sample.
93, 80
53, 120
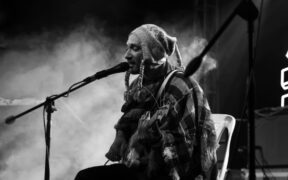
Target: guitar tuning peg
145, 116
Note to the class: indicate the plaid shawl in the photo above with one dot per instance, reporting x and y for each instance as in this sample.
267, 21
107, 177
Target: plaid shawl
188, 134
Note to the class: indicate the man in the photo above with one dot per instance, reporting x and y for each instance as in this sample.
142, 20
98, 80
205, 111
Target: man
165, 131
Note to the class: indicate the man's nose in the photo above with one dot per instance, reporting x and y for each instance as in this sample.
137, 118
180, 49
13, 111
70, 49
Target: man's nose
128, 55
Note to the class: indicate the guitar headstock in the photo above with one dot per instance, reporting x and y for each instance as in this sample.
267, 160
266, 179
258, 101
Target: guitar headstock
147, 120
161, 112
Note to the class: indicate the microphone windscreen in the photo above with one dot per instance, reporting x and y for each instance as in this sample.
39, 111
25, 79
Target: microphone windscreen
193, 66
124, 66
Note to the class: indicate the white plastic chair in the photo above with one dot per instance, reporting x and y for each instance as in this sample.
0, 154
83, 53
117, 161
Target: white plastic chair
222, 122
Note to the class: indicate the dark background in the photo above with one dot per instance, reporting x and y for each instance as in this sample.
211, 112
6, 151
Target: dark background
120, 17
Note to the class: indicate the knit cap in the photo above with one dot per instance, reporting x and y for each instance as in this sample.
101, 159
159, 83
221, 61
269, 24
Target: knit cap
156, 43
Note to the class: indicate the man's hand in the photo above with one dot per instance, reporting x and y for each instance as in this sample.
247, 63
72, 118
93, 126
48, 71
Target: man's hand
117, 148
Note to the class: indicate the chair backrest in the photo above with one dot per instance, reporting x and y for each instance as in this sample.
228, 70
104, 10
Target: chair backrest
222, 122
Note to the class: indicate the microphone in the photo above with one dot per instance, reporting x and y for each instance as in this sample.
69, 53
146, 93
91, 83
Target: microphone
10, 120
121, 67
193, 66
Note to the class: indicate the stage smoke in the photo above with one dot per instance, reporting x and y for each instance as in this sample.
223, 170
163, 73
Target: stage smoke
82, 127
39, 65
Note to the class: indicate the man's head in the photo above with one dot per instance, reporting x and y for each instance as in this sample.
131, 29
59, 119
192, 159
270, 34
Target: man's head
134, 53
148, 47
148, 43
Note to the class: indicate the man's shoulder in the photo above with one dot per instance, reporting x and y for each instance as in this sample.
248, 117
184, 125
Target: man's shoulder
183, 85
179, 80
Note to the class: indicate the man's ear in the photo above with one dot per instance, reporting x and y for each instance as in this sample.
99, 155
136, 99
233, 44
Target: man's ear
157, 53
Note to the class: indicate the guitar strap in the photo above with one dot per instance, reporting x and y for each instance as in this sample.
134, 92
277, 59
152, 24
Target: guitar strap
163, 85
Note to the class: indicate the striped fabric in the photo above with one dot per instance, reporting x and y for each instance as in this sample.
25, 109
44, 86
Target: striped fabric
188, 132
188, 140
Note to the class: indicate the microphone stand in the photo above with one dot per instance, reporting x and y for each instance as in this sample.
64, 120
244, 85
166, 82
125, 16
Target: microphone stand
248, 11
49, 107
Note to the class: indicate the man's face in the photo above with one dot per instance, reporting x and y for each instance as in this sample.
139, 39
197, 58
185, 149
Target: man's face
134, 54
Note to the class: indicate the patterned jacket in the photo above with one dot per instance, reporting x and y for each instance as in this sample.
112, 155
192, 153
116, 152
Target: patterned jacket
188, 137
